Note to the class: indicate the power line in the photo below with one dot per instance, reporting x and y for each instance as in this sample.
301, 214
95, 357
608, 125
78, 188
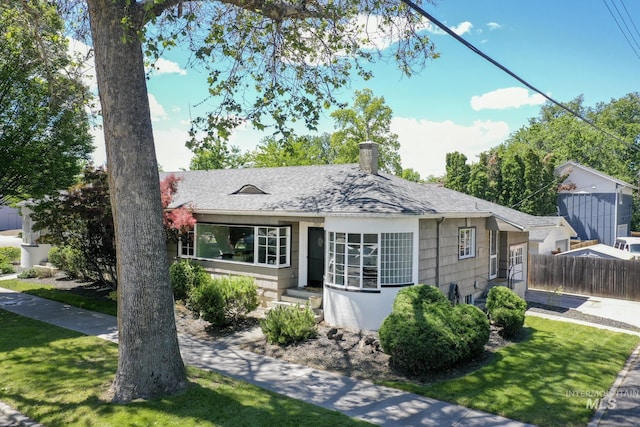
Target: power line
630, 18
620, 27
478, 52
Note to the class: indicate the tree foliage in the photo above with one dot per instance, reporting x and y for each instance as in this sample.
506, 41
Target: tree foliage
80, 219
293, 151
520, 172
368, 119
44, 128
216, 153
180, 219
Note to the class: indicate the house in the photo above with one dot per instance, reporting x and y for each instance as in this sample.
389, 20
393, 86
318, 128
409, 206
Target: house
549, 239
598, 206
357, 234
10, 218
599, 251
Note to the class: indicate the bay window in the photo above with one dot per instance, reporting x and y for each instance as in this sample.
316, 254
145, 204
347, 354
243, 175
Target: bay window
368, 261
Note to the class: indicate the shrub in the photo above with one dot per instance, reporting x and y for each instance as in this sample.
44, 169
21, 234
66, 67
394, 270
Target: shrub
6, 268
424, 332
68, 260
11, 254
285, 325
223, 301
506, 309
184, 276
29, 273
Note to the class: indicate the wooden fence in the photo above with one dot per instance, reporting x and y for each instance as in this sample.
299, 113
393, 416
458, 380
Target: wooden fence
612, 278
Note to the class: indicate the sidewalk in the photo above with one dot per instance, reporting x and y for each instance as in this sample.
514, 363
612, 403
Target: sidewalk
359, 399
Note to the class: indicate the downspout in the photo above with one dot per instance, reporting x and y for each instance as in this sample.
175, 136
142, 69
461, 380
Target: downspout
440, 221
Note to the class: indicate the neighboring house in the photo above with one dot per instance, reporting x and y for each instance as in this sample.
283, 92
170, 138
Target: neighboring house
598, 206
551, 239
359, 235
599, 251
10, 218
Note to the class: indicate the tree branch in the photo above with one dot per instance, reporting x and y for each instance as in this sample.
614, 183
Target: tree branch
278, 11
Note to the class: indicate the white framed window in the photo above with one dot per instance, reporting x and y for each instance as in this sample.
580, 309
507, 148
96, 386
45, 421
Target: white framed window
396, 258
186, 247
467, 242
258, 245
369, 260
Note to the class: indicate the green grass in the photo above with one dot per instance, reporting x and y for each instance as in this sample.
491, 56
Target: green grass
540, 379
64, 296
57, 377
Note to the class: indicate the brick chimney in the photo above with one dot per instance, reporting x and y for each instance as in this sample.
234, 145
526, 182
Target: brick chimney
369, 157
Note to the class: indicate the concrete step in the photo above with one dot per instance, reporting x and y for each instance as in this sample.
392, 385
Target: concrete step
303, 292
295, 300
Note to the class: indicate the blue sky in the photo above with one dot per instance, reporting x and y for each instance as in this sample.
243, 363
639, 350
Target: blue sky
459, 102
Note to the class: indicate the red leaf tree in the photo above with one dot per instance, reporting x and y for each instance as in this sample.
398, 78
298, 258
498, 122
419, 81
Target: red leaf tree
178, 220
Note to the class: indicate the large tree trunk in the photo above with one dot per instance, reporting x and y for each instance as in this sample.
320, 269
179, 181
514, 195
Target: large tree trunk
149, 362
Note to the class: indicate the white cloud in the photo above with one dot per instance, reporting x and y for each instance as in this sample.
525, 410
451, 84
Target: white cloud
425, 143
493, 26
157, 110
462, 28
164, 66
170, 149
510, 97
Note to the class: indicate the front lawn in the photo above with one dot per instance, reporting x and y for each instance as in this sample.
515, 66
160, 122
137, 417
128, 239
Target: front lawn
57, 377
60, 295
545, 379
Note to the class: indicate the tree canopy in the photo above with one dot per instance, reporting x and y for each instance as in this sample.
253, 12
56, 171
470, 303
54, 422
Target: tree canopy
520, 172
44, 127
368, 119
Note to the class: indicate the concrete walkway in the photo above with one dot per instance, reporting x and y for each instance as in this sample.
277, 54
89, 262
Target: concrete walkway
616, 309
359, 399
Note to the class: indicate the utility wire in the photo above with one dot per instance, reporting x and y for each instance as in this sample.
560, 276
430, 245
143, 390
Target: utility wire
620, 27
630, 18
477, 51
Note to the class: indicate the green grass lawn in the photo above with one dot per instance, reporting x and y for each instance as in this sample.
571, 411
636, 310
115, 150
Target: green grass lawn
540, 379
67, 297
57, 377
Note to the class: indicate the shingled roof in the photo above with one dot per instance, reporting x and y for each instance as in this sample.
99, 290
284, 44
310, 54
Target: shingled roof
331, 190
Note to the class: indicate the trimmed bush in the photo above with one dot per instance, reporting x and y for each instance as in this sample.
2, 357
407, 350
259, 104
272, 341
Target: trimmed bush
11, 254
286, 325
28, 274
184, 276
506, 310
70, 261
424, 332
6, 268
224, 300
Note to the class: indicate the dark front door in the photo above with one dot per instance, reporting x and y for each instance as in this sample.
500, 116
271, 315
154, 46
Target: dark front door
315, 267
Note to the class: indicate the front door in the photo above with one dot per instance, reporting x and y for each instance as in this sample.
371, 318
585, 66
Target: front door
315, 268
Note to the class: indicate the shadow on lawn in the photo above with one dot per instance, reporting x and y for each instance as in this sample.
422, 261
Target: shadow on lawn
543, 379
